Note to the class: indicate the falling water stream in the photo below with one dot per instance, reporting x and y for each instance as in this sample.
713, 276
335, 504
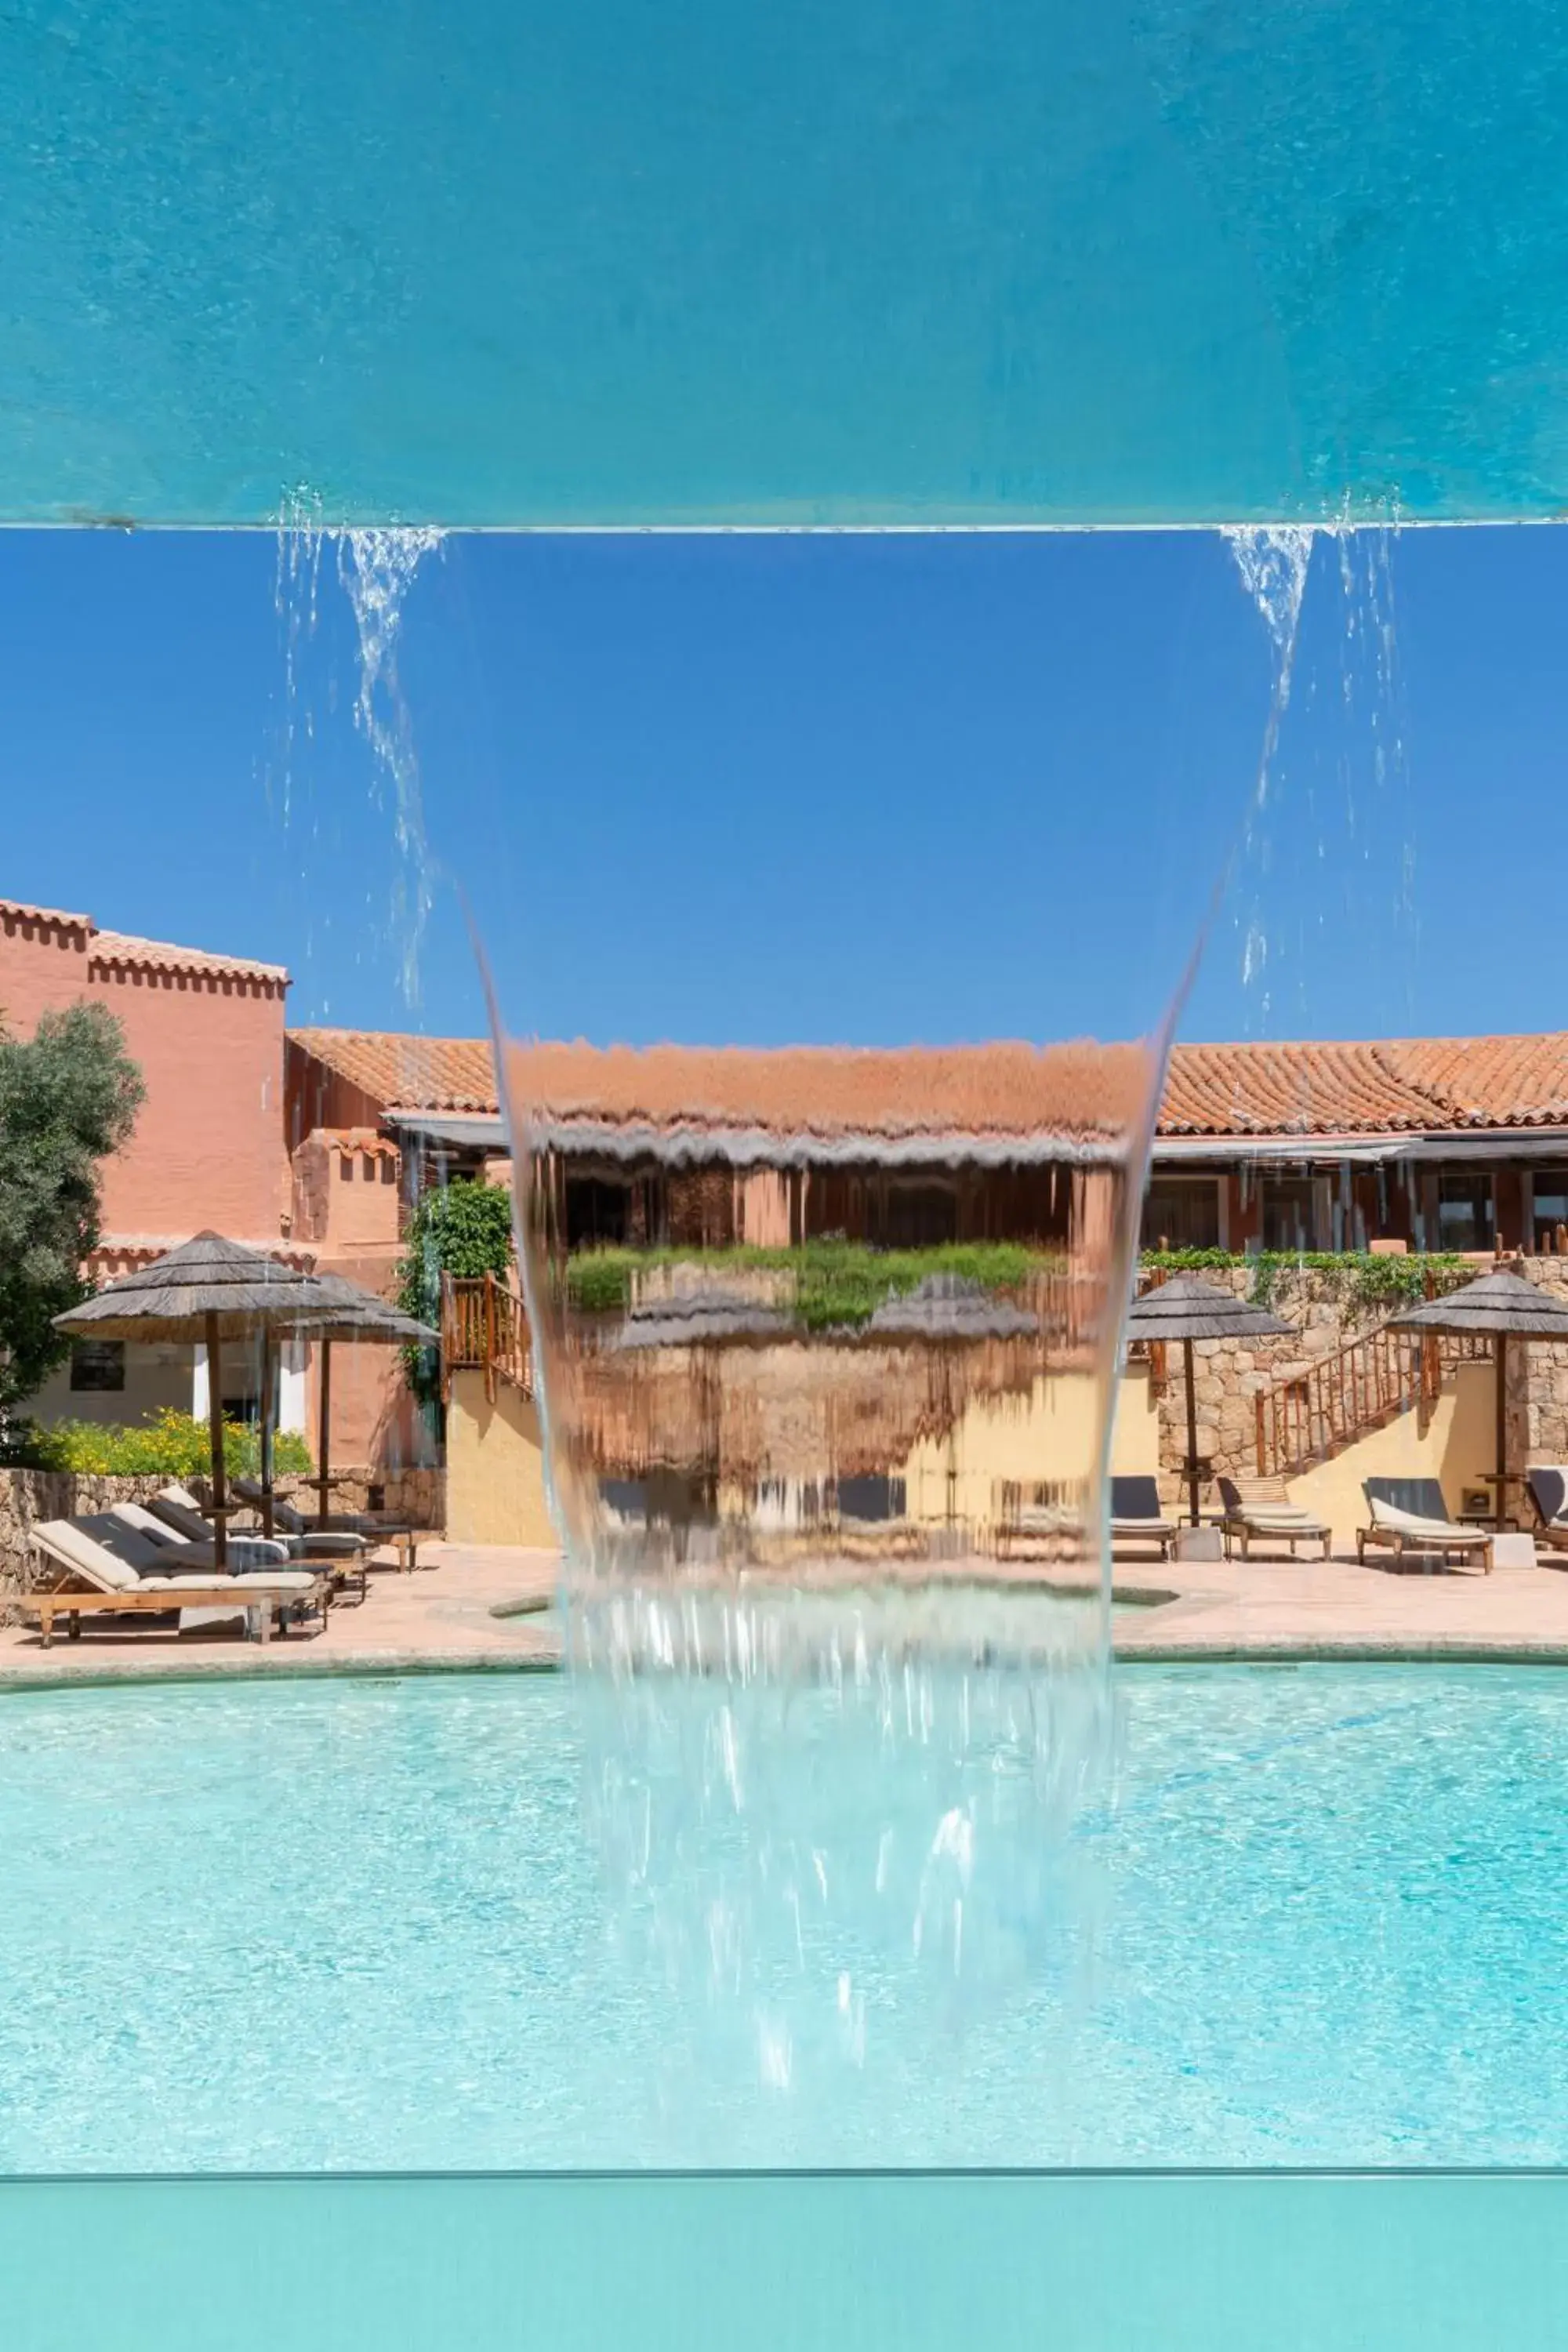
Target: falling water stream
831, 1767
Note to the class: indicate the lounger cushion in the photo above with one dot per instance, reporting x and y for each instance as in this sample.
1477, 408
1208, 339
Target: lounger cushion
176, 1554
258, 1582
1433, 1531
75, 1546
1280, 1515
1421, 1498
343, 1539
1135, 1498
181, 1511
1549, 1488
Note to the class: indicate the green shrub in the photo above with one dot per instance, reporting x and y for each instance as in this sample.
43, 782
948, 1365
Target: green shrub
836, 1285
462, 1229
170, 1446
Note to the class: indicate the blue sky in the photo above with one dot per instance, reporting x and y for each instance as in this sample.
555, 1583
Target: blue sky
873, 789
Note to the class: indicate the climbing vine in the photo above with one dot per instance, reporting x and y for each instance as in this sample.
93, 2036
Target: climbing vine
1365, 1283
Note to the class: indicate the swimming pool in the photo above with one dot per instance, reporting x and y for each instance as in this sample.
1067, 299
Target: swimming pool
279, 1924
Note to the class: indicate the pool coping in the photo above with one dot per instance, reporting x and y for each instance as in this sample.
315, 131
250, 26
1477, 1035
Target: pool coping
413, 1664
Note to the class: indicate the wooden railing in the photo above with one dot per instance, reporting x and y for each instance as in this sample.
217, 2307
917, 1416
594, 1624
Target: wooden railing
484, 1327
1309, 1415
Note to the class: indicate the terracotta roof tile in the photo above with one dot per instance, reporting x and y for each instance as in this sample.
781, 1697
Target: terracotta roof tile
1391, 1086
1005, 1090
1384, 1087
19, 910
123, 950
405, 1073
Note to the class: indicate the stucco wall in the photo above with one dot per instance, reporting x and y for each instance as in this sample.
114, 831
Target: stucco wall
155, 1378
1455, 1443
208, 1148
495, 1466
1047, 1438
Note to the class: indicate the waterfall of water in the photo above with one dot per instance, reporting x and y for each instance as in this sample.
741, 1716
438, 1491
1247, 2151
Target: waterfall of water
377, 569
829, 1769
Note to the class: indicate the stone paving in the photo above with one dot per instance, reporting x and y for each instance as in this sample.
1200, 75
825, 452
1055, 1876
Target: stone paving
442, 1619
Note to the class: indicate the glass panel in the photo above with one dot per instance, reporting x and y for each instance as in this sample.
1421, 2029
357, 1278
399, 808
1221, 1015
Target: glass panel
1464, 1210
1182, 1213
1549, 1221
1285, 1213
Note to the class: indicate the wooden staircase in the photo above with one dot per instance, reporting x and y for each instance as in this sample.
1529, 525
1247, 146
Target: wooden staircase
484, 1327
1310, 1416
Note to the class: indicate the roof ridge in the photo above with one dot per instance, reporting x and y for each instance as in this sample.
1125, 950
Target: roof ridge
135, 947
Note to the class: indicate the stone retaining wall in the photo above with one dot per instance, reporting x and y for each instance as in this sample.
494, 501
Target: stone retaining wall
28, 1496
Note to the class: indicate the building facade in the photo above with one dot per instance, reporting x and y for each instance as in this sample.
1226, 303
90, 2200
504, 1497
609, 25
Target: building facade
316, 1142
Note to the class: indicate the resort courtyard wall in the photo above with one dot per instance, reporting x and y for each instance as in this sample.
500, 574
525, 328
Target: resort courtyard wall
1458, 1442
495, 1460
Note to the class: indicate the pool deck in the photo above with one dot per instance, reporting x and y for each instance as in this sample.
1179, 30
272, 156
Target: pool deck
443, 1619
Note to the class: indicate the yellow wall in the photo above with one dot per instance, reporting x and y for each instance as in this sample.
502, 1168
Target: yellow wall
1457, 1444
495, 1466
1044, 1437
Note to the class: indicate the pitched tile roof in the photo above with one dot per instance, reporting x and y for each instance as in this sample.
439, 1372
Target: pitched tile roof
404, 1073
1003, 1090
22, 910
1395, 1086
123, 950
1380, 1087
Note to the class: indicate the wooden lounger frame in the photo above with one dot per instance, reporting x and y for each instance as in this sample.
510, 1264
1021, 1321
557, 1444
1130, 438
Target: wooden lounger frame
1403, 1539
74, 1606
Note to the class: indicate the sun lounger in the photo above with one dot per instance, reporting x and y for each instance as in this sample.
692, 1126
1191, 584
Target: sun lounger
1258, 1511
371, 1528
186, 1555
1410, 1514
340, 1556
100, 1566
1549, 1493
1137, 1515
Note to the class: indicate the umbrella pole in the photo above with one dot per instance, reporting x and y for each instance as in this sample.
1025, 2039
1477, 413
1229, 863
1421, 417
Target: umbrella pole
1502, 1426
1192, 1432
266, 1431
214, 1426
324, 1428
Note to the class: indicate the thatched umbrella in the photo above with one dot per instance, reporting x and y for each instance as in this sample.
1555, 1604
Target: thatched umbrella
206, 1291
699, 1319
1501, 1306
334, 1308
1186, 1308
949, 1307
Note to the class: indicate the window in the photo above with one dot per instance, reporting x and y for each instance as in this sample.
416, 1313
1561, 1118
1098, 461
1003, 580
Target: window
920, 1216
97, 1367
871, 1498
1182, 1213
1550, 1223
1464, 1210
595, 1212
1287, 1221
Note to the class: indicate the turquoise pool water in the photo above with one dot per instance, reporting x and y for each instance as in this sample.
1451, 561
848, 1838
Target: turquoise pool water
306, 1923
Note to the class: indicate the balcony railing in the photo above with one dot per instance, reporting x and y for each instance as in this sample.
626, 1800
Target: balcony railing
1310, 1415
484, 1327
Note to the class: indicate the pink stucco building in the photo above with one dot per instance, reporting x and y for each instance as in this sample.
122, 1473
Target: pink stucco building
212, 1149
